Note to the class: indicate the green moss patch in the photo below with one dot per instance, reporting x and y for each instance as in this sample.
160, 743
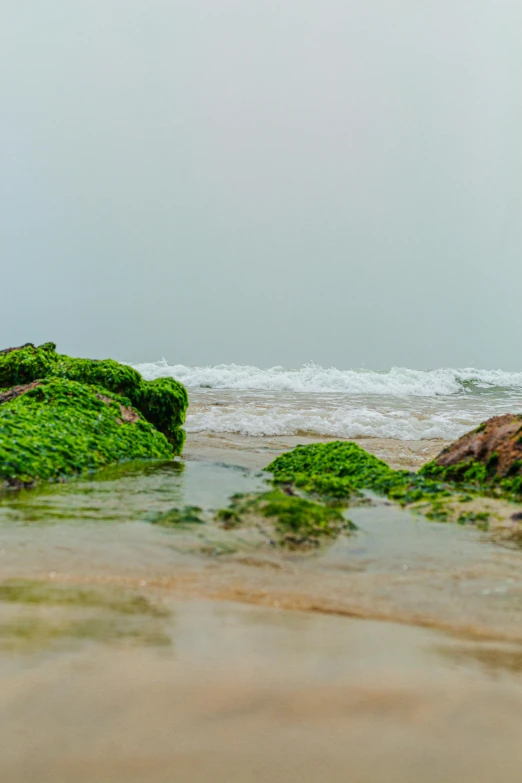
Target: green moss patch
177, 517
477, 477
479, 519
295, 521
62, 427
339, 472
30, 634
486, 460
27, 591
37, 614
162, 402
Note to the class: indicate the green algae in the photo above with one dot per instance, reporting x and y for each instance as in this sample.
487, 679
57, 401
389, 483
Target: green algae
479, 519
162, 402
177, 517
297, 521
26, 364
31, 591
28, 635
340, 472
51, 613
438, 512
477, 478
83, 414
62, 427
313, 483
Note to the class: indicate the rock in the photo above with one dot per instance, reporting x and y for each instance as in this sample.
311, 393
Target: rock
497, 444
492, 452
54, 428
16, 391
162, 402
10, 350
60, 415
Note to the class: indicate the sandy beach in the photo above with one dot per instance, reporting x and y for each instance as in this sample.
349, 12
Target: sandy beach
129, 652
256, 452
229, 229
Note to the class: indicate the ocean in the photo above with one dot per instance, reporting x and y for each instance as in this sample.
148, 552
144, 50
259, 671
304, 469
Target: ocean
400, 403
155, 651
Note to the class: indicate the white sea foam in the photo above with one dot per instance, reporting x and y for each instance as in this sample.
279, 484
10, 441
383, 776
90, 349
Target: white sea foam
399, 403
399, 381
355, 423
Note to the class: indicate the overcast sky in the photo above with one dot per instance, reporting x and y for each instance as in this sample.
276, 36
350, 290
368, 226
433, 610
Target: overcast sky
263, 181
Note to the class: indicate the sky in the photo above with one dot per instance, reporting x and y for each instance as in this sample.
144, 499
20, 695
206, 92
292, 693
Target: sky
263, 182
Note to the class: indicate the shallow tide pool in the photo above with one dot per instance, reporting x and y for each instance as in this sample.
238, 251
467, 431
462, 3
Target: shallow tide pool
132, 652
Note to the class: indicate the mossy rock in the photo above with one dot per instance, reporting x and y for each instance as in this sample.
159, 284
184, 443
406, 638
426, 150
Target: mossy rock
162, 402
340, 472
487, 458
295, 522
177, 517
57, 427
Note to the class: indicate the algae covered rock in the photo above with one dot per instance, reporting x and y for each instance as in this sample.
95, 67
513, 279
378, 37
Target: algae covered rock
55, 428
336, 470
484, 464
177, 517
294, 522
490, 455
340, 471
60, 415
162, 402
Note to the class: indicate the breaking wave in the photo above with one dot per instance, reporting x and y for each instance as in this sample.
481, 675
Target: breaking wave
399, 381
399, 403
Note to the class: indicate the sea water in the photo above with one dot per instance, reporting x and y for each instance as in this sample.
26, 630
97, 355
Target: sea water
399, 403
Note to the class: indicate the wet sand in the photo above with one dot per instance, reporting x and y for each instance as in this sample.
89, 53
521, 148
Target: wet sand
130, 652
257, 452
250, 694
397, 567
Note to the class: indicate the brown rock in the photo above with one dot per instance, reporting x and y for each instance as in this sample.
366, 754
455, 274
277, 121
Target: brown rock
104, 398
499, 438
18, 348
16, 391
128, 415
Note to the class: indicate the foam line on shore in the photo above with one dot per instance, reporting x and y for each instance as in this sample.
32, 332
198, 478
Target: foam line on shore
342, 423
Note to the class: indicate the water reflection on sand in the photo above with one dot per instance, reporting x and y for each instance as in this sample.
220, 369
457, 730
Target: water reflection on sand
130, 652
